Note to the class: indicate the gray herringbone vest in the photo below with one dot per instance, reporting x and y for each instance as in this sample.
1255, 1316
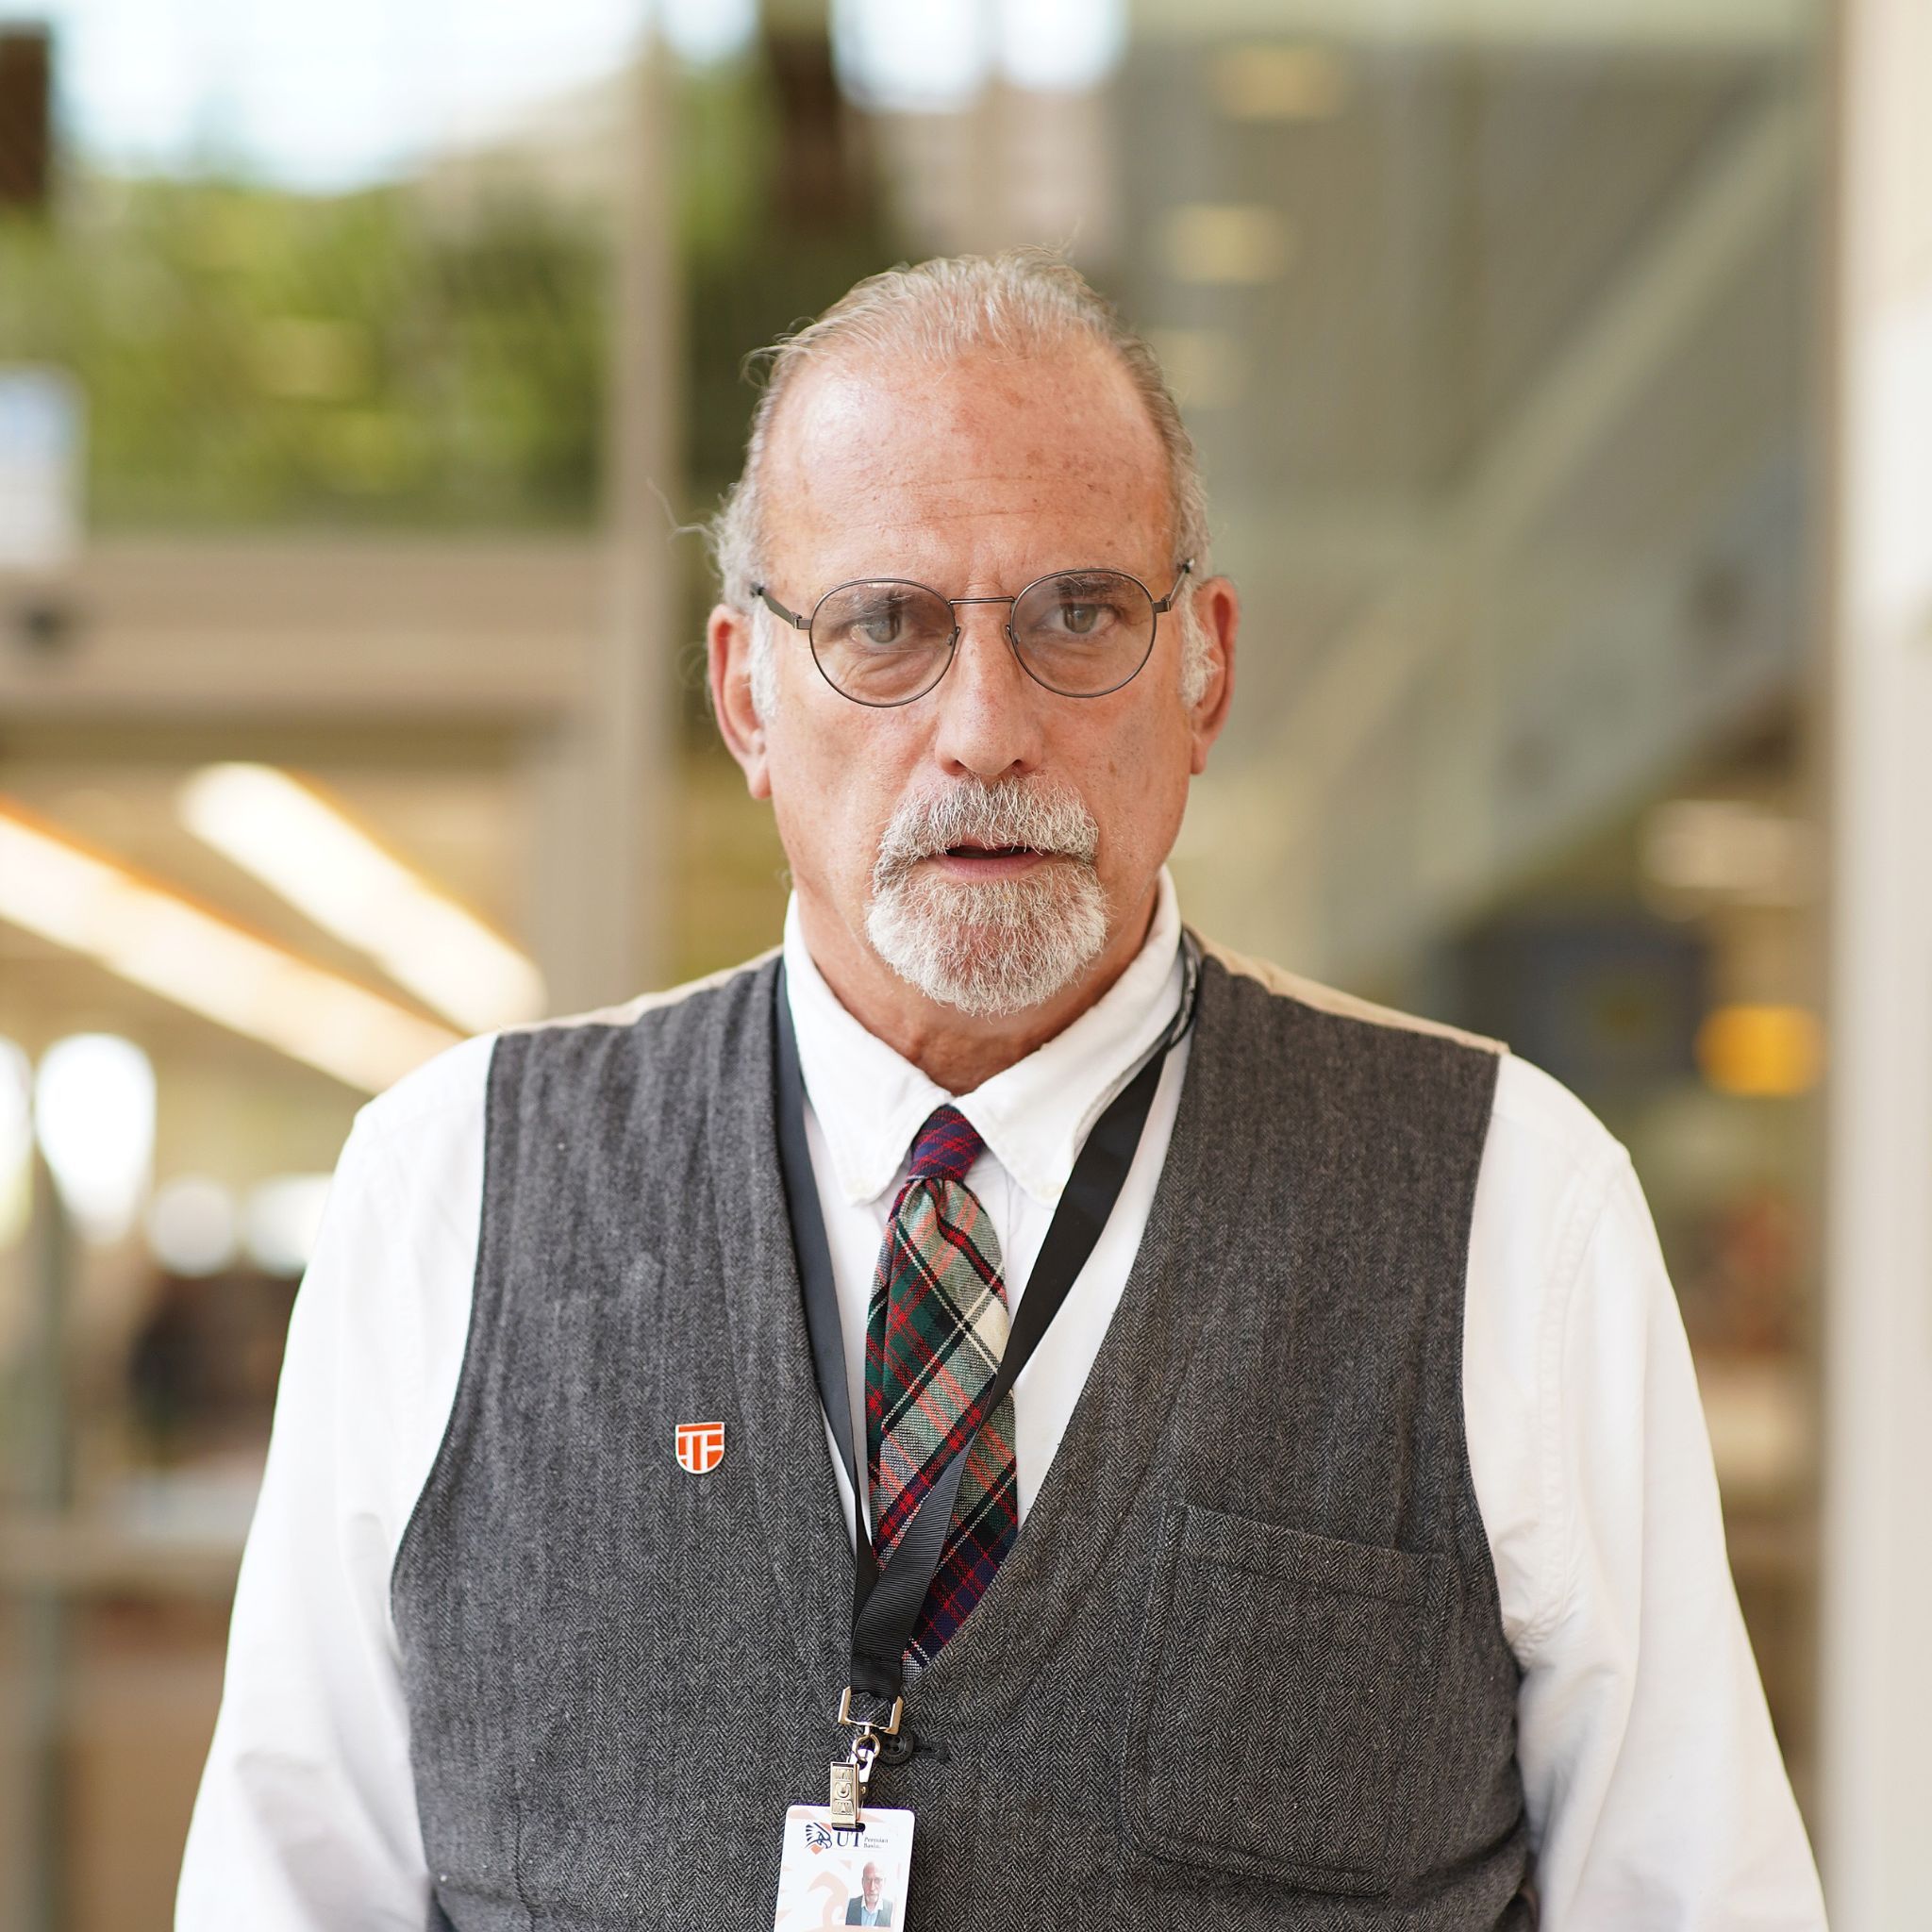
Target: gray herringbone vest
1244, 1666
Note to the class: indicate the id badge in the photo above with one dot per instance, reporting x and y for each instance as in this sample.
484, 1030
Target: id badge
833, 1875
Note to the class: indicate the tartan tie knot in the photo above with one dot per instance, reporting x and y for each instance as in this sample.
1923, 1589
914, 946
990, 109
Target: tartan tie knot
946, 1147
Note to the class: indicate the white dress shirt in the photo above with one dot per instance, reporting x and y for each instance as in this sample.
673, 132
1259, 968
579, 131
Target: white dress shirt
1657, 1797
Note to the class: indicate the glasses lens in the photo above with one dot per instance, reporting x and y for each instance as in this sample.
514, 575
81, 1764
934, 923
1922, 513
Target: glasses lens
883, 642
1084, 632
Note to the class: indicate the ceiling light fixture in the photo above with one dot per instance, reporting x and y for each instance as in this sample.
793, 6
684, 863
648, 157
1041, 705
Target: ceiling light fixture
302, 847
154, 938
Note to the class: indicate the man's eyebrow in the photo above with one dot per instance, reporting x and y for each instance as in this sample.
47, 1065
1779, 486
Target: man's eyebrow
1093, 578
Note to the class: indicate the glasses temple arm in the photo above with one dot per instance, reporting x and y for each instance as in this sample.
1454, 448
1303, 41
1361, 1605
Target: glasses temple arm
777, 609
1166, 604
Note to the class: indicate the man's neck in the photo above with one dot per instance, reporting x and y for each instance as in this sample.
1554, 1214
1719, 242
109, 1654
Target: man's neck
955, 1050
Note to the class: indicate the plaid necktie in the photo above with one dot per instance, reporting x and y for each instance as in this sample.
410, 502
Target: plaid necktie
936, 1331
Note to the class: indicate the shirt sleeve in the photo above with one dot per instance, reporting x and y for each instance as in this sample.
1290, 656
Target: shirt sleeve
1656, 1793
307, 1817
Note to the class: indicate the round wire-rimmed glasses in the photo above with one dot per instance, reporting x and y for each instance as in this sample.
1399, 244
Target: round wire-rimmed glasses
885, 640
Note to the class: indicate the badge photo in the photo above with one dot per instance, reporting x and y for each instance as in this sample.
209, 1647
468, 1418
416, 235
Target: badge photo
700, 1446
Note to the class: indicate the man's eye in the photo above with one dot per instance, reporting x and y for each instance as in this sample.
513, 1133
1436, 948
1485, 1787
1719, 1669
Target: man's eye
883, 628
1088, 621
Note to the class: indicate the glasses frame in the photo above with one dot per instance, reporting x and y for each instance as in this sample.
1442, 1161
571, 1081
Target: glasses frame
1161, 606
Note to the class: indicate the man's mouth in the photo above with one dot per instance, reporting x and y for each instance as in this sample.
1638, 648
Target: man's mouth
983, 835
971, 860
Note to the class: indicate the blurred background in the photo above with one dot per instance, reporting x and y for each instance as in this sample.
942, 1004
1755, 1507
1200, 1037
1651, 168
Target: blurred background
1562, 375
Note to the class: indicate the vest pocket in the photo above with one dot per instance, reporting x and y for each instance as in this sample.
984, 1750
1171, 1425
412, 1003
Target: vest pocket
1281, 1694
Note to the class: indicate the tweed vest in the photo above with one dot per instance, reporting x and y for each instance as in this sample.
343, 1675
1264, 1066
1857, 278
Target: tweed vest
1244, 1665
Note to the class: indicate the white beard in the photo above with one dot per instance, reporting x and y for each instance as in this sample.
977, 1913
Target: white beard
991, 947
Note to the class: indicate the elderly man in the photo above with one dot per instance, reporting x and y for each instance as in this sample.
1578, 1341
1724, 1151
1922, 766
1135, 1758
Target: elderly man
655, 1457
871, 1906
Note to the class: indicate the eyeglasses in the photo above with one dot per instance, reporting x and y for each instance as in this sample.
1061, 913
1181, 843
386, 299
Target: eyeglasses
882, 640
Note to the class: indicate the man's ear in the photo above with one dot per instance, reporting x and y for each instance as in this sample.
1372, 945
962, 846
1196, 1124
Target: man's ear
1218, 611
728, 655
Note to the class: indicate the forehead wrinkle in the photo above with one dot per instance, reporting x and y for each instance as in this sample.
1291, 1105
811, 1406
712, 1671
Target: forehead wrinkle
899, 516
827, 498
1003, 492
1026, 550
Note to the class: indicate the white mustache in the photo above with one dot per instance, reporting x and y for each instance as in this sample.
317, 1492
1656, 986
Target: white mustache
1038, 814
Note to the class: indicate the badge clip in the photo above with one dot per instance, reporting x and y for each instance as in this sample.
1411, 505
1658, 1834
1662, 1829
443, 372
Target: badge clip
849, 1778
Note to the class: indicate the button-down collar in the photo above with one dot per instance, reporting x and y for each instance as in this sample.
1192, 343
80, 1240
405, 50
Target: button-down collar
1033, 1117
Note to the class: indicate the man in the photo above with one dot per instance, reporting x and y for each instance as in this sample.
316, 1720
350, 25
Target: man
869, 1908
1348, 1554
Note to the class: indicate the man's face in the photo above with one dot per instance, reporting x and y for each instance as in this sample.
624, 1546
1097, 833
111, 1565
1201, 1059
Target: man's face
974, 478
872, 1882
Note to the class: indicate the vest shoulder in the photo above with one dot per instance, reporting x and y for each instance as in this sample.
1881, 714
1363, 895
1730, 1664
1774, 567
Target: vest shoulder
449, 1089
669, 1045
1327, 999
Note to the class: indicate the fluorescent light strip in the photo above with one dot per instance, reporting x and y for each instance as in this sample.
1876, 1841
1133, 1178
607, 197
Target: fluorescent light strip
323, 864
155, 939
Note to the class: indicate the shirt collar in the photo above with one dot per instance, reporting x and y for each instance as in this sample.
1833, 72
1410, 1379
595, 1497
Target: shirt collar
1033, 1117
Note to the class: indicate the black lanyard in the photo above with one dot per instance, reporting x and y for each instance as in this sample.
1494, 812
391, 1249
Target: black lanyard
886, 1602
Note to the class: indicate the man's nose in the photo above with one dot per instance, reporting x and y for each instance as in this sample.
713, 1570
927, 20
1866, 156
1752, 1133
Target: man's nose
989, 715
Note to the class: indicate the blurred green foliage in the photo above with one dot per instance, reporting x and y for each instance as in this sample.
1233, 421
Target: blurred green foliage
408, 357
252, 356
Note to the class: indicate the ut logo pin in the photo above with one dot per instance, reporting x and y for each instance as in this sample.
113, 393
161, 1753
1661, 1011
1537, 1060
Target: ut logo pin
700, 1446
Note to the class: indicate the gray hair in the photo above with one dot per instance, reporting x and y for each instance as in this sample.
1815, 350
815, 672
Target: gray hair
1025, 301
